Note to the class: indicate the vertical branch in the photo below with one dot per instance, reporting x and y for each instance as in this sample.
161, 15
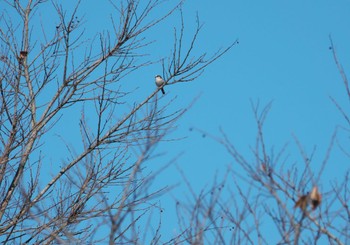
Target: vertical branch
340, 68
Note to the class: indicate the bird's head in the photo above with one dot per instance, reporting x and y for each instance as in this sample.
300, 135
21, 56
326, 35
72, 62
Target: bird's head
158, 76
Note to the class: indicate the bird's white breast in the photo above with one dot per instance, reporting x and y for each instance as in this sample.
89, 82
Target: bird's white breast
159, 81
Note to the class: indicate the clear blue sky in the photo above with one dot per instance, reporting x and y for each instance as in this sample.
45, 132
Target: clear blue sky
283, 55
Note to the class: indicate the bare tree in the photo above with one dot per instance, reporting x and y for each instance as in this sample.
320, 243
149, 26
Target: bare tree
99, 191
271, 197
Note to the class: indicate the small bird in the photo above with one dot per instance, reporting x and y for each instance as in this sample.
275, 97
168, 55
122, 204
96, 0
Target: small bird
160, 82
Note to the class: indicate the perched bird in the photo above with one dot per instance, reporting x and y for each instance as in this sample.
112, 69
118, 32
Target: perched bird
160, 82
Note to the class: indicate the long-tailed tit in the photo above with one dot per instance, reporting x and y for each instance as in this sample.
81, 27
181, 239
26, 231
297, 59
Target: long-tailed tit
160, 82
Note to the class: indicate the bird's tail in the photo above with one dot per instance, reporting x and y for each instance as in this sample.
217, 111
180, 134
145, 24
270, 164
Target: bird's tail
163, 91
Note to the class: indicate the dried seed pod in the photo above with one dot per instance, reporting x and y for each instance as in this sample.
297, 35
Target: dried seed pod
315, 198
23, 54
302, 202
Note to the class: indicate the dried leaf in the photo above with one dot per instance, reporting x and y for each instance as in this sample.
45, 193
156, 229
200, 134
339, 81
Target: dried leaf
23, 54
302, 202
315, 198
